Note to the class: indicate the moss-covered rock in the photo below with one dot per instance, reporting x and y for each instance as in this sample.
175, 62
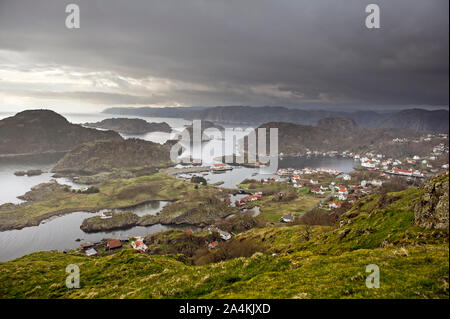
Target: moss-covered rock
432, 209
119, 220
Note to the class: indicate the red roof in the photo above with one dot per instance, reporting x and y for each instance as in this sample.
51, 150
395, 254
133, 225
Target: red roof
139, 243
213, 244
334, 203
114, 243
402, 170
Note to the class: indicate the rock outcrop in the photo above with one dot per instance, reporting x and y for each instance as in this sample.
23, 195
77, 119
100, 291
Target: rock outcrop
432, 209
107, 156
119, 220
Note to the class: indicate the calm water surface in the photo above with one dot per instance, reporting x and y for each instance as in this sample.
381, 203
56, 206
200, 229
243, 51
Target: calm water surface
59, 233
12, 186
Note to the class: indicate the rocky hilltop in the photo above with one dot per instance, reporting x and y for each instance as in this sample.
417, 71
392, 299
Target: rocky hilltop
106, 156
432, 209
338, 124
337, 134
42, 131
130, 126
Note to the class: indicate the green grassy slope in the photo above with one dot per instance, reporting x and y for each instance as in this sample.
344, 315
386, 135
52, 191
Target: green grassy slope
293, 262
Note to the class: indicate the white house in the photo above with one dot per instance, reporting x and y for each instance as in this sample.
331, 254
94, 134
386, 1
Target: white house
91, 252
106, 215
346, 177
224, 235
139, 245
334, 205
376, 182
287, 219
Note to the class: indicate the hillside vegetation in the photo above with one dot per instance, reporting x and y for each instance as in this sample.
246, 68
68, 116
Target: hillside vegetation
106, 156
286, 262
340, 134
41, 131
51, 199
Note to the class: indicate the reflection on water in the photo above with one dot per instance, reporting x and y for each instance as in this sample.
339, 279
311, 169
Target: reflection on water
12, 186
150, 208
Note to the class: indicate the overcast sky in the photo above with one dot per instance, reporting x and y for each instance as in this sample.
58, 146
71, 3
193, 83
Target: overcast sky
297, 53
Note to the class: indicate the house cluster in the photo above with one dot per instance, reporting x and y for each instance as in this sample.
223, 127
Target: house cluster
225, 236
92, 249
268, 180
424, 138
329, 153
390, 166
138, 244
415, 166
352, 192
249, 198
341, 192
296, 173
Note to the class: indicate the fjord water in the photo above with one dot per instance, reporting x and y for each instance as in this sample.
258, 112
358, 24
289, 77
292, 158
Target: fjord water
12, 186
60, 232
231, 178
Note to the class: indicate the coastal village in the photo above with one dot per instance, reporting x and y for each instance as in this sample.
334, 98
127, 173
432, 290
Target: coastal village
200, 214
331, 188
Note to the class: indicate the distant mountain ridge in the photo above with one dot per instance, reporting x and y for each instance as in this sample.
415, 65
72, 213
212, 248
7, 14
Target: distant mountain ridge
414, 119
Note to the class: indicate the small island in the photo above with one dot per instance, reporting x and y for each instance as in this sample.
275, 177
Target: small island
130, 126
29, 173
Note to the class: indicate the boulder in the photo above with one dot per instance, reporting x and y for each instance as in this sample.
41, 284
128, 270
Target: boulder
431, 211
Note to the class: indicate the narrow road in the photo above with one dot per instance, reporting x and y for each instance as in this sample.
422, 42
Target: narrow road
325, 199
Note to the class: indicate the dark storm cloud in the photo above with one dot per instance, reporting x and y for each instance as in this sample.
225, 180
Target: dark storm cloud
261, 52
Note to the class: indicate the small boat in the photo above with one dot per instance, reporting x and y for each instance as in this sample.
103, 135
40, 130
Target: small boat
220, 168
